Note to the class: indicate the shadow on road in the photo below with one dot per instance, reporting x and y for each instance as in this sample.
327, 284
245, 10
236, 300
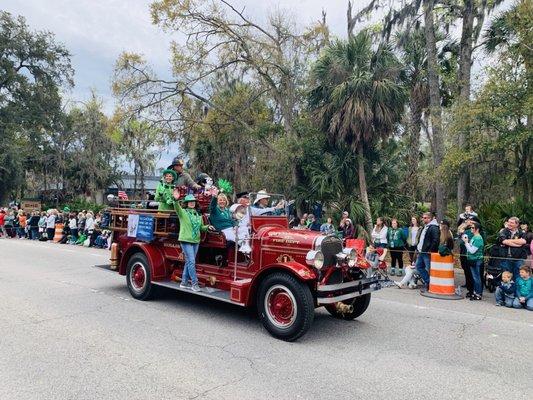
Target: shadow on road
241, 318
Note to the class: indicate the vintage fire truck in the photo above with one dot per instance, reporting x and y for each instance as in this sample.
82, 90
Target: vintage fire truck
284, 273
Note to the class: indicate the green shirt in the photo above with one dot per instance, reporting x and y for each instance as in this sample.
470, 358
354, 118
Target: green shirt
396, 238
476, 241
190, 224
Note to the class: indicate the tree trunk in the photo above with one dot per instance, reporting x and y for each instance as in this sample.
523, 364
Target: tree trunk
413, 151
464, 85
363, 188
143, 189
434, 105
135, 174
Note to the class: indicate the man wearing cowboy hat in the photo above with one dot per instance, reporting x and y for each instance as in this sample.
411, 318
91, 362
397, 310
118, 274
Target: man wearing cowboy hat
260, 206
182, 177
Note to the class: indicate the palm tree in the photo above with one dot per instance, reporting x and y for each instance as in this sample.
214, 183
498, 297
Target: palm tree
357, 98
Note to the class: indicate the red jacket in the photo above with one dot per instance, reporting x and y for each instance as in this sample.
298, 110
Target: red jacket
2, 218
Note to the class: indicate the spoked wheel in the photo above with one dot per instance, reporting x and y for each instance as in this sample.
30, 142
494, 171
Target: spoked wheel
139, 278
285, 306
350, 309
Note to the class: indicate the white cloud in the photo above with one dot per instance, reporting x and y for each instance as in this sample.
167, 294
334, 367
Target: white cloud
97, 31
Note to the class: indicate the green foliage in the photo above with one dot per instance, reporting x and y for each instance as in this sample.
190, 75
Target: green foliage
222, 148
94, 164
78, 205
33, 67
493, 215
501, 142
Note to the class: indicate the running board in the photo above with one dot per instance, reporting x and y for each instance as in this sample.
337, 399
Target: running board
209, 292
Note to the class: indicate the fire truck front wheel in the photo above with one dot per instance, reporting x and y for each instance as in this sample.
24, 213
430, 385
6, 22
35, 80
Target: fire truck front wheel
285, 306
350, 309
139, 278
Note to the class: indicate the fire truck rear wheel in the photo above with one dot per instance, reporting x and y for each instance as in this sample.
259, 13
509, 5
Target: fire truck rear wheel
358, 304
285, 306
139, 277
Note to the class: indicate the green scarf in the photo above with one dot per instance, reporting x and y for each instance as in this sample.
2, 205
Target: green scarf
196, 222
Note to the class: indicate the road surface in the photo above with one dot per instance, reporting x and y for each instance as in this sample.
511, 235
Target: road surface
72, 331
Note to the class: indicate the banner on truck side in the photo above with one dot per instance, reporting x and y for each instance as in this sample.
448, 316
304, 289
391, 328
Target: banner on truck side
133, 224
145, 228
141, 227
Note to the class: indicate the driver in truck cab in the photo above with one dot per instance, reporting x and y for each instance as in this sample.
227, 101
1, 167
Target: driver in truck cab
260, 206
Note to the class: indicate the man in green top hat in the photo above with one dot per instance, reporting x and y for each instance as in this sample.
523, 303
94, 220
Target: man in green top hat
182, 177
163, 192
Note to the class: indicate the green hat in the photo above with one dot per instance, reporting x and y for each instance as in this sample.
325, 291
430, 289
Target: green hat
171, 172
188, 198
66, 209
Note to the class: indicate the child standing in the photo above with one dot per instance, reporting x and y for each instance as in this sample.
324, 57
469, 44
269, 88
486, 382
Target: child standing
505, 292
524, 289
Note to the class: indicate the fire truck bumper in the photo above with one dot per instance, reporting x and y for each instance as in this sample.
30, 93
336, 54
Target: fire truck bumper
328, 294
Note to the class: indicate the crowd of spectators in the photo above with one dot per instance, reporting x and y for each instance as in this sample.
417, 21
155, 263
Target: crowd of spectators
410, 249
76, 228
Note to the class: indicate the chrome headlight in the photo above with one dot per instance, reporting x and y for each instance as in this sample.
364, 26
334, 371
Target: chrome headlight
351, 256
315, 258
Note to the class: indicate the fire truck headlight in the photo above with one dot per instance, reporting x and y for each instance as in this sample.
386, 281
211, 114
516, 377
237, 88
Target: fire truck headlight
351, 256
315, 258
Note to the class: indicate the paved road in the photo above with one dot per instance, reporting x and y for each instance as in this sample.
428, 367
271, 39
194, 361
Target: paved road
71, 331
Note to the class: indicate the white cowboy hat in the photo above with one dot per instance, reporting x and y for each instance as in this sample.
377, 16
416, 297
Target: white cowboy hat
262, 194
234, 207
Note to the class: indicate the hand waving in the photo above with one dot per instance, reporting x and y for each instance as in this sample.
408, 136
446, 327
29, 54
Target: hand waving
176, 194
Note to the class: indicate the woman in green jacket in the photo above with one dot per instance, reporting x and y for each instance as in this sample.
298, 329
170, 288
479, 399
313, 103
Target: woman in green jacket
220, 216
163, 192
190, 227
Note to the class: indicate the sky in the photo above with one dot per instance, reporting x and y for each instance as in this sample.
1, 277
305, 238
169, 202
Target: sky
96, 32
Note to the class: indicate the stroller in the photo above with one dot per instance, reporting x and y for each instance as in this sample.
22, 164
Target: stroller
493, 272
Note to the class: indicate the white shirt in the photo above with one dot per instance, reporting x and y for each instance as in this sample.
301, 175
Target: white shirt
414, 232
381, 236
51, 221
89, 224
256, 211
72, 224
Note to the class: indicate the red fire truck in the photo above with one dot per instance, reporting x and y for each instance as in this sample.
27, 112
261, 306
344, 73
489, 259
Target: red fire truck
284, 273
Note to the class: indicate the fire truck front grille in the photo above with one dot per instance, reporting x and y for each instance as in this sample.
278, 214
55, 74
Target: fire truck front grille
330, 246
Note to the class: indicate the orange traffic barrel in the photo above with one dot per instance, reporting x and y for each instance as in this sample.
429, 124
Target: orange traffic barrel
441, 278
58, 234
